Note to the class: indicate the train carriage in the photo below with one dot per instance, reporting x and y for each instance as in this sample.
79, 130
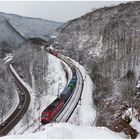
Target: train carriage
71, 85
66, 93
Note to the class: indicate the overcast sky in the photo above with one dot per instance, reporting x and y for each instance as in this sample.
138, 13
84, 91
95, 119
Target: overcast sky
53, 10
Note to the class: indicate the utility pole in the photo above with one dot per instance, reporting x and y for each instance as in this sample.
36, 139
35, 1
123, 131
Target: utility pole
59, 87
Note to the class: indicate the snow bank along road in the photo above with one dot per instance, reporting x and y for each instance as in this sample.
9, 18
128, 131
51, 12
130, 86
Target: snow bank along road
24, 101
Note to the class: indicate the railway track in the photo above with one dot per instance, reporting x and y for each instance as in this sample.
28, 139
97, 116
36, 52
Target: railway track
67, 111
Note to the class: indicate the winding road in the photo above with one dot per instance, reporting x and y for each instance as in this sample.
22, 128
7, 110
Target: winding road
20, 110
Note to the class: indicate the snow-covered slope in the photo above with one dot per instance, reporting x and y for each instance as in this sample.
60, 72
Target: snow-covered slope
85, 112
68, 131
32, 27
106, 41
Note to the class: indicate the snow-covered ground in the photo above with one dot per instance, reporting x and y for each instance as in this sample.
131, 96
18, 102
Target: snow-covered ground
21, 80
85, 113
133, 115
69, 131
8, 57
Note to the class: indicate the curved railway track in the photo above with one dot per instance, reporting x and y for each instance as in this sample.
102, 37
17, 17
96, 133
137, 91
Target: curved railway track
70, 106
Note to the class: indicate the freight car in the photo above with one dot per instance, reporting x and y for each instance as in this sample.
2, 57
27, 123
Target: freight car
52, 110
66, 93
73, 71
72, 84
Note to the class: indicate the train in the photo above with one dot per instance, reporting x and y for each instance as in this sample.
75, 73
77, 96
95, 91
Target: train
58, 104
52, 110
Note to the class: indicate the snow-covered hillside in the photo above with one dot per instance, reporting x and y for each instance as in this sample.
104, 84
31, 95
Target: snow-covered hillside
106, 41
8, 35
32, 27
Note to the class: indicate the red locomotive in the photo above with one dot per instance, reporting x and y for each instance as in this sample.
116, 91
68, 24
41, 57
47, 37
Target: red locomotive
51, 111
